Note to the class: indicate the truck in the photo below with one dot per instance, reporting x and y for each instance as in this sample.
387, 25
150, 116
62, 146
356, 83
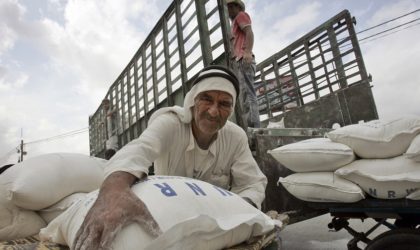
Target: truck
315, 82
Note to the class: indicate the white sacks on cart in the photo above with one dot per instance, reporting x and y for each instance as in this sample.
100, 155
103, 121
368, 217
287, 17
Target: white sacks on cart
413, 151
315, 160
17, 223
322, 187
313, 155
52, 212
389, 150
393, 178
192, 215
389, 168
378, 139
38, 189
42, 181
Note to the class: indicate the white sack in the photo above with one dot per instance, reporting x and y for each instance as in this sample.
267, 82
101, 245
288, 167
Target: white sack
313, 155
378, 139
414, 195
321, 187
413, 151
192, 215
393, 178
41, 181
16, 223
50, 213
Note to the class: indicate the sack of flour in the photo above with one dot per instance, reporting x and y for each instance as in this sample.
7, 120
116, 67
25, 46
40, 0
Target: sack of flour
42, 181
393, 178
16, 223
321, 187
413, 151
313, 155
414, 195
192, 215
378, 139
52, 212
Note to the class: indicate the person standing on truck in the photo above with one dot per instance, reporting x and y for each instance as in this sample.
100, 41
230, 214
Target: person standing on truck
195, 141
243, 64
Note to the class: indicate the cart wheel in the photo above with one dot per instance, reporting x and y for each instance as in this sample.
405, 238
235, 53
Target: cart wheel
396, 239
411, 222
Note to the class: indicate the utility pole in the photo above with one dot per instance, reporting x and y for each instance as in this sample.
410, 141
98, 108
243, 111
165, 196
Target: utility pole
21, 151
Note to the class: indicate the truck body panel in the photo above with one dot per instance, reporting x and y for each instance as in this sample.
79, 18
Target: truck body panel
313, 83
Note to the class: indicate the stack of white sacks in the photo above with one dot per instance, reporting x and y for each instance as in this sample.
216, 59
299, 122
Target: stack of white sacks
35, 191
378, 158
51, 195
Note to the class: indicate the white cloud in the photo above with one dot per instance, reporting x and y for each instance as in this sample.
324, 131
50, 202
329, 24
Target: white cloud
8, 38
397, 8
11, 79
393, 62
79, 47
41, 120
95, 42
306, 15
10, 19
8, 134
56, 5
289, 23
78, 57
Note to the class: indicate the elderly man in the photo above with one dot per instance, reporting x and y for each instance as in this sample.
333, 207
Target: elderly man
195, 141
243, 62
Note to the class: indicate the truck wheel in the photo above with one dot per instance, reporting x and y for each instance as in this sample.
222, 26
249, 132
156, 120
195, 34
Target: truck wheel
396, 239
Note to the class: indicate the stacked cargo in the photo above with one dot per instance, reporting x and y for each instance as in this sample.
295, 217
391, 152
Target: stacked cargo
35, 191
378, 158
51, 194
192, 214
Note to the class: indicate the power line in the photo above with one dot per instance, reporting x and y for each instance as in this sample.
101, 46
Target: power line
393, 28
60, 136
385, 35
55, 137
374, 35
388, 21
365, 39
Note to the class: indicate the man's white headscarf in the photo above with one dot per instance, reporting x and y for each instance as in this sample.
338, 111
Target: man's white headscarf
211, 78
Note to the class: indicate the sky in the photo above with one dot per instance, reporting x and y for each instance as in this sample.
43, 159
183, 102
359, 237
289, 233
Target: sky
59, 57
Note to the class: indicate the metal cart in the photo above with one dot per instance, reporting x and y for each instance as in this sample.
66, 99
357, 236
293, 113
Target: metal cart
401, 217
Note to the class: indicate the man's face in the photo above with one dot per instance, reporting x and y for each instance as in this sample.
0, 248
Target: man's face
211, 111
233, 10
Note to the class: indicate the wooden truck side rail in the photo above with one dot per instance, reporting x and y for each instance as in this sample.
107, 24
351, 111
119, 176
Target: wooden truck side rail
324, 62
323, 75
317, 81
190, 34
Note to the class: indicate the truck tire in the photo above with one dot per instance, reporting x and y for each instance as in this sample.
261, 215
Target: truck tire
396, 239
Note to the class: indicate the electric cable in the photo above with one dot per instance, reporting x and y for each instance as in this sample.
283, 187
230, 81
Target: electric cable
60, 136
394, 19
393, 28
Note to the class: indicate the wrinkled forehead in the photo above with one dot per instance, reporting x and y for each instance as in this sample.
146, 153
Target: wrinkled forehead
215, 93
214, 83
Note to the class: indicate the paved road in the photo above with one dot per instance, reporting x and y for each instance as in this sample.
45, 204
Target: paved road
315, 234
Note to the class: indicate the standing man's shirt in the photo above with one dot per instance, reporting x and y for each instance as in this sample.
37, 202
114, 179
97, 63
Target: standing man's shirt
170, 144
241, 21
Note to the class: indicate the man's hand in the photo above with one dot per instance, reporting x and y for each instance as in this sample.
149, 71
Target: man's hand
247, 57
116, 207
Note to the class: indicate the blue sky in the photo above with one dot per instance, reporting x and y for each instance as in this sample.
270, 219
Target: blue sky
59, 57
